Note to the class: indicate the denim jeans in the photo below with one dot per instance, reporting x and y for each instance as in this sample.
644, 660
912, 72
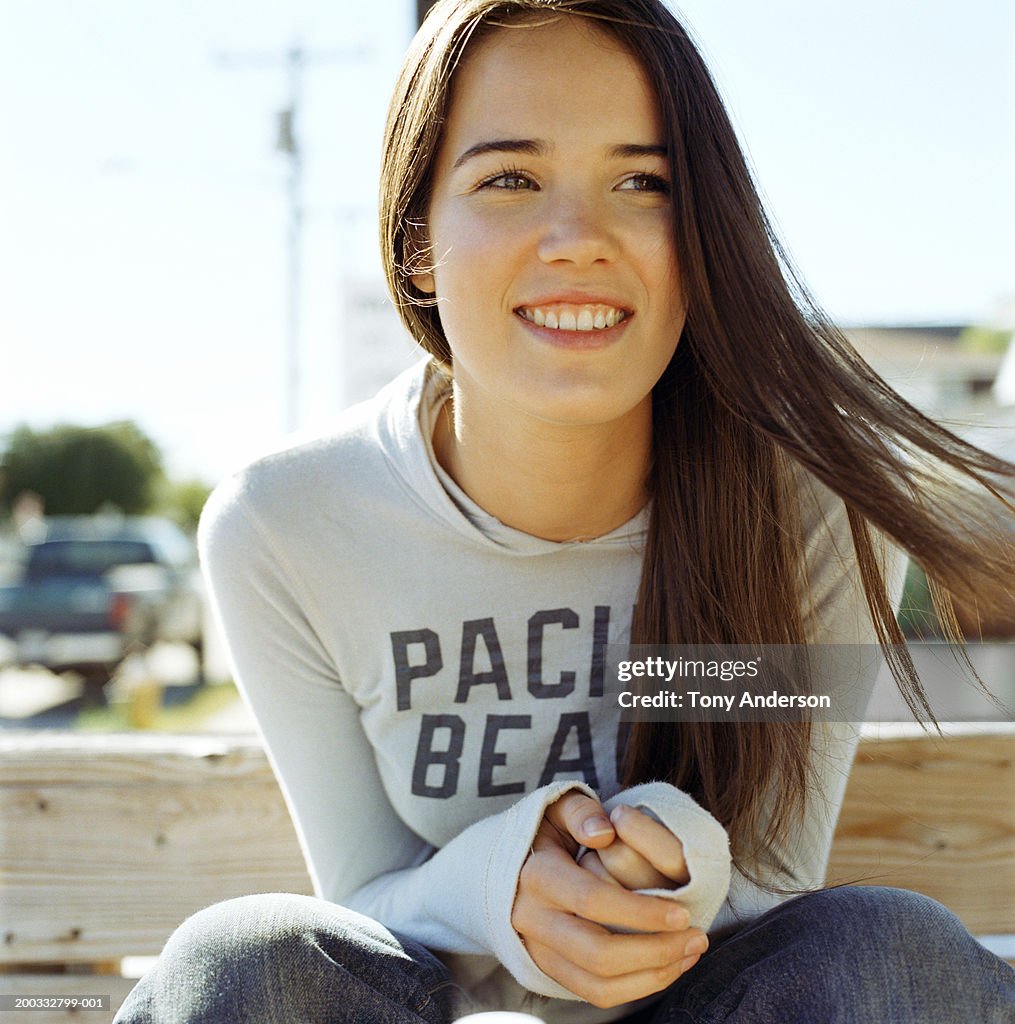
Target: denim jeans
849, 955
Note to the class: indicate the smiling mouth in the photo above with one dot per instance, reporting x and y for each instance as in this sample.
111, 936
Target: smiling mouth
569, 317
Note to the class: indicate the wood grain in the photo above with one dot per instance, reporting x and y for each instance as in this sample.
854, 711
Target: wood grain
108, 847
108, 843
937, 816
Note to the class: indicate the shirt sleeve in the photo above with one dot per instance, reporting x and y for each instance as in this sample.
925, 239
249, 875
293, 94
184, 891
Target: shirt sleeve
358, 851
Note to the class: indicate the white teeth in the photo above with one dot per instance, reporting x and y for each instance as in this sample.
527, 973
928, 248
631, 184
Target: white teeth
591, 317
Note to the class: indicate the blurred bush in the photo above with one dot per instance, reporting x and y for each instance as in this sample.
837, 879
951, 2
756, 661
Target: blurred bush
78, 470
182, 501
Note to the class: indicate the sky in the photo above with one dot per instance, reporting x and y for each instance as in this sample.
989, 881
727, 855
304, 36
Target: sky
144, 208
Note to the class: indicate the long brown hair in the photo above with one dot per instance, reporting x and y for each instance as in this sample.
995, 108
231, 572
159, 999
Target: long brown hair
760, 385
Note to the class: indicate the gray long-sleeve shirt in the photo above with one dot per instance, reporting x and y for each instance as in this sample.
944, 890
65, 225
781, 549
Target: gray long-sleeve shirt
424, 679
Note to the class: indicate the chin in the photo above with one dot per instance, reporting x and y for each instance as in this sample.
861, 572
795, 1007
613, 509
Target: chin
584, 407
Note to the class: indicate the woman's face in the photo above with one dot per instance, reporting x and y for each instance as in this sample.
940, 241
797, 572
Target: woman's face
550, 227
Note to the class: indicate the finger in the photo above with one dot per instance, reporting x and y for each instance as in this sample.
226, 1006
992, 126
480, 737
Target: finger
606, 954
610, 990
591, 861
653, 841
581, 819
550, 878
630, 869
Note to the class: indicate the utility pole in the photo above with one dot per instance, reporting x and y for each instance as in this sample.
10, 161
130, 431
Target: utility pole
288, 143
295, 60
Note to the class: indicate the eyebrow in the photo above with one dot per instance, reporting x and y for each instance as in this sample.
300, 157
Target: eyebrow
528, 146
532, 147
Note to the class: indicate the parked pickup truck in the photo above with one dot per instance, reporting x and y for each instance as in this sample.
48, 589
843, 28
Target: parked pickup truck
93, 588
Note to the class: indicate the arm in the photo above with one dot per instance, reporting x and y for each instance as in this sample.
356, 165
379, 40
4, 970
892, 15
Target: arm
458, 899
357, 849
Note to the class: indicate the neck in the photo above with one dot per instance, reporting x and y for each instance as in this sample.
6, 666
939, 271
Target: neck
559, 482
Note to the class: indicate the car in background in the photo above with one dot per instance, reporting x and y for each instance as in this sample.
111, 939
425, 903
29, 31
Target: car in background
94, 588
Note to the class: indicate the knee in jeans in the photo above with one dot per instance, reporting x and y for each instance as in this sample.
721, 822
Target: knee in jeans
892, 925
900, 915
283, 957
285, 928
245, 925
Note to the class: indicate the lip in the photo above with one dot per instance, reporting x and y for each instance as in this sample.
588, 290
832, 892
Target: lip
575, 298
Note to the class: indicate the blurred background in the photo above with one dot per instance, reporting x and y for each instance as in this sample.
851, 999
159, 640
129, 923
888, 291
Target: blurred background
190, 274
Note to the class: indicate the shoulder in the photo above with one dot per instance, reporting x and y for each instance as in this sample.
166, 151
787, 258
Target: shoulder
291, 491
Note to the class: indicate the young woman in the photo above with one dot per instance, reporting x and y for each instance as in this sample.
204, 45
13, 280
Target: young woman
633, 428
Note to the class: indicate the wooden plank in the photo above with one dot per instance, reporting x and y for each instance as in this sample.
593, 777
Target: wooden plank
109, 846
66, 985
110, 841
936, 816
57, 758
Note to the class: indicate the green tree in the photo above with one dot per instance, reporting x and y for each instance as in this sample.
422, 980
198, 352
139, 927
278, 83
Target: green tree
182, 501
78, 470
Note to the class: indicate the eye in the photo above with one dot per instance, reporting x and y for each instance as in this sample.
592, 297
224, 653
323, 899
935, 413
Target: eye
645, 183
510, 181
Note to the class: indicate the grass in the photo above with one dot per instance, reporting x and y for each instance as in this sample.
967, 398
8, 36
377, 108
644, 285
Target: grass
187, 716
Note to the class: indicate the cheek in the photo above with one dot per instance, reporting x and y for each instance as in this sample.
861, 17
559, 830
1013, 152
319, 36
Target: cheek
481, 246
650, 249
658, 249
459, 239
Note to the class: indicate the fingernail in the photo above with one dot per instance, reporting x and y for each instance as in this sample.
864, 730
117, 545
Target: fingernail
696, 946
688, 963
596, 826
617, 812
678, 918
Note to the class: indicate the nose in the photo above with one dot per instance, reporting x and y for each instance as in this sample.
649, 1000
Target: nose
576, 230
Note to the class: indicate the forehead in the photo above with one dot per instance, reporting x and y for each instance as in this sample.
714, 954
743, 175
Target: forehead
561, 69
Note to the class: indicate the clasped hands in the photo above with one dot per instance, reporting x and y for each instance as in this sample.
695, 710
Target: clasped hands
582, 923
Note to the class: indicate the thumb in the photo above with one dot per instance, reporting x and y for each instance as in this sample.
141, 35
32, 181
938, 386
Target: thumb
582, 819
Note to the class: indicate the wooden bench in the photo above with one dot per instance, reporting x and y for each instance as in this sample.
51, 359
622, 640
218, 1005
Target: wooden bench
108, 842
